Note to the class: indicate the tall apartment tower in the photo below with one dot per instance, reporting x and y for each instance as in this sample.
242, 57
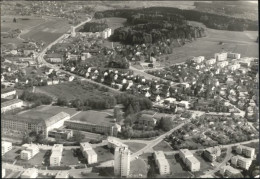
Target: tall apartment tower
73, 33
122, 161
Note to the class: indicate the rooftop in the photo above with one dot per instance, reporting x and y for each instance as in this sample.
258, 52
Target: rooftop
91, 152
86, 146
193, 160
5, 143
159, 154
186, 152
10, 102
231, 169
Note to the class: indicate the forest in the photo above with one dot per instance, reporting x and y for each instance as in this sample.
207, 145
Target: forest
179, 16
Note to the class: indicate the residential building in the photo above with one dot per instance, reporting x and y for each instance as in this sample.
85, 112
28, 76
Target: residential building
147, 120
212, 153
56, 155
11, 105
162, 163
211, 61
228, 171
6, 92
241, 162
221, 56
30, 151
122, 161
233, 55
85, 146
62, 174
222, 64
247, 151
30, 173
61, 133
114, 142
187, 157
199, 59
6, 146
91, 156
34, 120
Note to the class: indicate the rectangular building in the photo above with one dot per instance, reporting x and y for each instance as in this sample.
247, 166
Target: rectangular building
190, 161
91, 155
247, 151
3, 172
63, 134
122, 161
6, 92
10, 105
162, 163
30, 151
212, 153
114, 142
241, 162
221, 56
30, 173
228, 170
6, 146
234, 55
56, 155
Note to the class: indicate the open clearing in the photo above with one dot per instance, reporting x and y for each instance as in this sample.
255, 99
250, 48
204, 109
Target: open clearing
74, 90
134, 147
163, 146
138, 168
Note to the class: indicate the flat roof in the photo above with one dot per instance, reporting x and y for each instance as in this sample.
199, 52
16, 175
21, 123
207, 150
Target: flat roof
5, 143
159, 154
85, 145
91, 152
29, 146
186, 152
56, 153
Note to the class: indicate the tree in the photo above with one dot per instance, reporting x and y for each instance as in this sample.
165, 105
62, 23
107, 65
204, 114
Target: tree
62, 102
165, 123
14, 20
78, 136
118, 114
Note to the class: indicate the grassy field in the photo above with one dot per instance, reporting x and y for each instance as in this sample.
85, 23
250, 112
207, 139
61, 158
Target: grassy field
96, 117
74, 90
103, 154
68, 158
163, 146
138, 168
134, 147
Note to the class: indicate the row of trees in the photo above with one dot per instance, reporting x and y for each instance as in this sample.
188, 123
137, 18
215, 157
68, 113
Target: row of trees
36, 98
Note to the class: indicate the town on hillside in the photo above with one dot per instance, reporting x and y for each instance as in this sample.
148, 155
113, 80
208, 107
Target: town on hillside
124, 89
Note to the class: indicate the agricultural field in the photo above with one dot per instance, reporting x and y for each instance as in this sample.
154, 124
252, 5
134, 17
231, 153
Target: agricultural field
74, 90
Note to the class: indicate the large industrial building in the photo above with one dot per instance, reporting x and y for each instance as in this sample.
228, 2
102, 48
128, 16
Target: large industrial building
34, 121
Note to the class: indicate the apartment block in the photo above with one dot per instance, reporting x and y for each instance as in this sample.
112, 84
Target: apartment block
228, 171
56, 155
30, 151
88, 152
212, 153
221, 56
247, 151
241, 162
122, 161
187, 157
30, 173
6, 146
3, 172
114, 142
162, 163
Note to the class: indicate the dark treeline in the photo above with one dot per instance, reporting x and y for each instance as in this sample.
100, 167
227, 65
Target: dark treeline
94, 27
176, 15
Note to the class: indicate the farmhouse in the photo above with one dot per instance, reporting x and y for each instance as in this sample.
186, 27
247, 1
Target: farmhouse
34, 121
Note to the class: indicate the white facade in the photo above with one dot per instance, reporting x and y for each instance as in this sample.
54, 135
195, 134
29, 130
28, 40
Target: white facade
234, 67
188, 158
9, 93
220, 56
211, 61
222, 64
198, 59
91, 155
228, 170
104, 34
162, 163
247, 151
85, 146
30, 151
114, 142
56, 155
122, 161
6, 146
241, 162
30, 173
3, 172
10, 105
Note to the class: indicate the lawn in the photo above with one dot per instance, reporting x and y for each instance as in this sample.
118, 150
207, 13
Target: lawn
68, 158
104, 154
95, 117
74, 90
134, 147
163, 146
12, 154
138, 168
